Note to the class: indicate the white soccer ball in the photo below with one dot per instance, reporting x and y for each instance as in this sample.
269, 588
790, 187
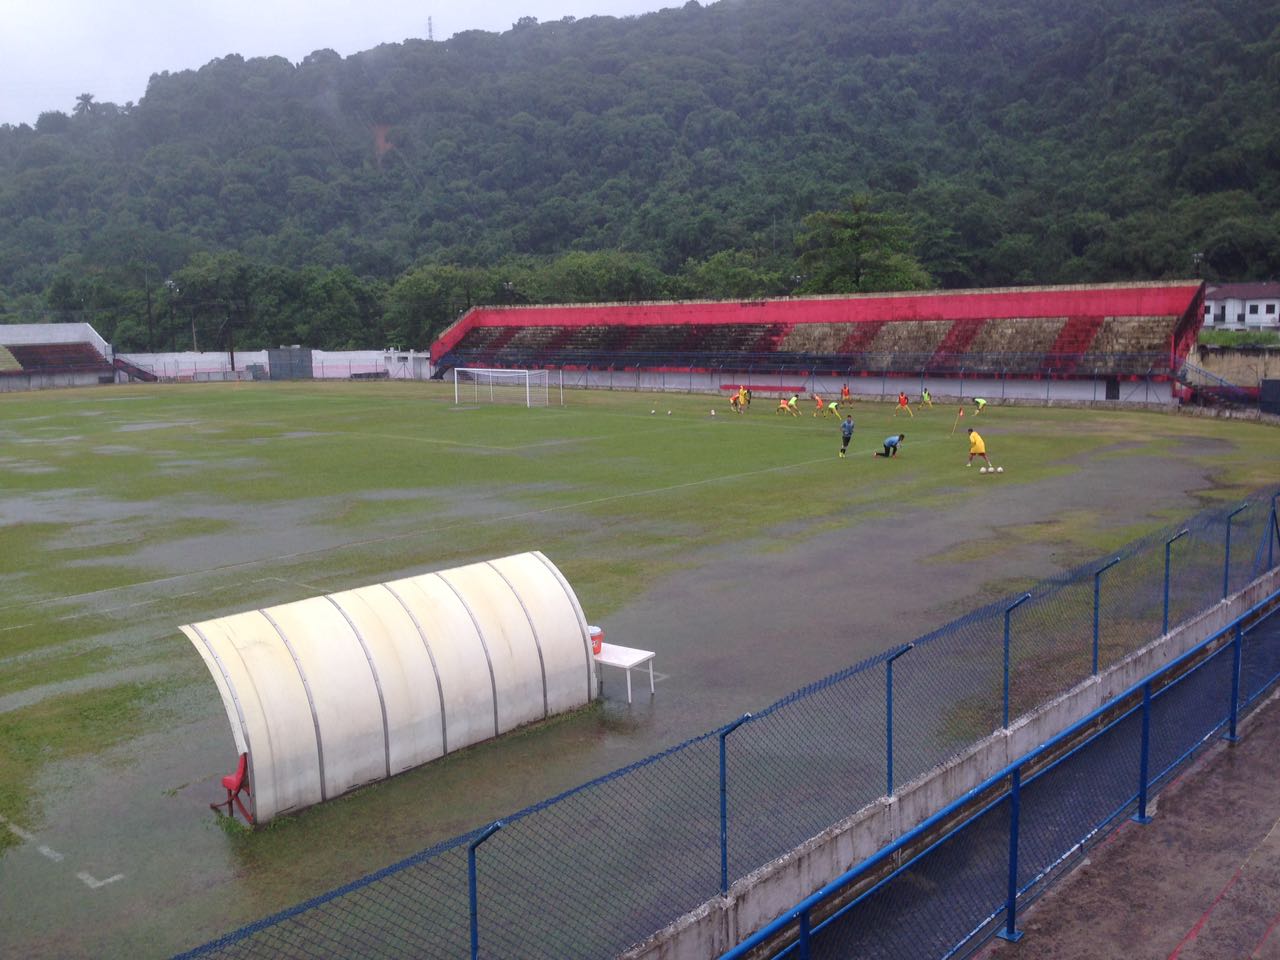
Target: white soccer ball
999, 469
713, 413
982, 469
653, 411
668, 413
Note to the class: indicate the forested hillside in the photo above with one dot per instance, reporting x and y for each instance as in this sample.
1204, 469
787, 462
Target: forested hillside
741, 148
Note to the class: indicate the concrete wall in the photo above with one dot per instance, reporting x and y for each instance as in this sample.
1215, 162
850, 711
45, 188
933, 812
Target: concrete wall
766, 386
765, 894
325, 364
1243, 366
12, 382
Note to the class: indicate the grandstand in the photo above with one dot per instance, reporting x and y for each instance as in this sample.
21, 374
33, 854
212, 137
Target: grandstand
995, 341
39, 355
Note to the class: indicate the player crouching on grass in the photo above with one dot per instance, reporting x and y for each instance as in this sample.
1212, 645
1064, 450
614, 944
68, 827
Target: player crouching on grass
846, 434
891, 445
977, 448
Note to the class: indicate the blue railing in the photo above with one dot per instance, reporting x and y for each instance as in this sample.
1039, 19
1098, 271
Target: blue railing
662, 836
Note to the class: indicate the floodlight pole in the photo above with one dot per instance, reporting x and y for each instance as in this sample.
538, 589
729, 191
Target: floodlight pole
1097, 603
1008, 610
1226, 563
1168, 546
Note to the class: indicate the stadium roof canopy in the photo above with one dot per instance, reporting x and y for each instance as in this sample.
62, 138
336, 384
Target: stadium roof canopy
1179, 299
333, 692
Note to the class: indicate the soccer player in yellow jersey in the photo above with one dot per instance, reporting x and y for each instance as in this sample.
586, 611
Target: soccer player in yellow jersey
977, 448
925, 399
794, 404
833, 410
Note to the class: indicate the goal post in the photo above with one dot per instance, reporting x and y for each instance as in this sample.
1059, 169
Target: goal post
529, 388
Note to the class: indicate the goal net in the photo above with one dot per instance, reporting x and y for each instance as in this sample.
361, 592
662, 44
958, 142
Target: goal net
529, 388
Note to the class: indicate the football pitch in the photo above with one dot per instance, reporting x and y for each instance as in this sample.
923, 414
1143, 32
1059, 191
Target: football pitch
740, 548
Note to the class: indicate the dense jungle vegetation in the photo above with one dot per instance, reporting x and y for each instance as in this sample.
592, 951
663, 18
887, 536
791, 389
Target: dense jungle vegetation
745, 148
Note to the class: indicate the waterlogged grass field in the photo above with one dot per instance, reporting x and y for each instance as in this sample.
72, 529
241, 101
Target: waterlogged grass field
738, 547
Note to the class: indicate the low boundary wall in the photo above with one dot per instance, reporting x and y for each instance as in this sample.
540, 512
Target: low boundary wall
944, 389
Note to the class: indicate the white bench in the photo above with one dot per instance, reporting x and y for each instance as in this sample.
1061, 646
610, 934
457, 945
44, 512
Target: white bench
626, 658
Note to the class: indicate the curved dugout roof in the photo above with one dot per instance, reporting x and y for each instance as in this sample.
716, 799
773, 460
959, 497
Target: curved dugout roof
333, 692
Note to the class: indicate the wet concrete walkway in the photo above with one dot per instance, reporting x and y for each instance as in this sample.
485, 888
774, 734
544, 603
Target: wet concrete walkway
1200, 882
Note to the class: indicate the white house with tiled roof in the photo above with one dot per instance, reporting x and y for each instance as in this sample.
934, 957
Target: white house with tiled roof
1242, 306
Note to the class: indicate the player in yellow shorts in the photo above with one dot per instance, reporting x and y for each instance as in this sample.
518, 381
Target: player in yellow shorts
794, 404
977, 448
817, 405
925, 399
833, 410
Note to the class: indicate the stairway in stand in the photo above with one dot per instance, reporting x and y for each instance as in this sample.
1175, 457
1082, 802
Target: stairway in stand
1073, 341
955, 344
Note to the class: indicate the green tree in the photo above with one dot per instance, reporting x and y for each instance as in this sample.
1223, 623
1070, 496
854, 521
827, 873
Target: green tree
859, 250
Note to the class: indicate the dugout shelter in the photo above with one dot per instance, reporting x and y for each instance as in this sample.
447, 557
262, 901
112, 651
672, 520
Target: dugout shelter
333, 692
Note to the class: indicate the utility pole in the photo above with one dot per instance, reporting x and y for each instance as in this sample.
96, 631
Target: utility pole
151, 323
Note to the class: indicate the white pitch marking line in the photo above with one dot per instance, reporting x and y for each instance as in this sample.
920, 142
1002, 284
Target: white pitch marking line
84, 876
93, 884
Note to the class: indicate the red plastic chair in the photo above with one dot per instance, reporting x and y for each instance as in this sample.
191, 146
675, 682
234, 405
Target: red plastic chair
236, 783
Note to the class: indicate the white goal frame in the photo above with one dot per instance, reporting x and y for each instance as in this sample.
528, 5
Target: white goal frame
530, 388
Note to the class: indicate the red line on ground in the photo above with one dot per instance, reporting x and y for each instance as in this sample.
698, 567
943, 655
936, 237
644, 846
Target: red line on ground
1204, 917
1257, 950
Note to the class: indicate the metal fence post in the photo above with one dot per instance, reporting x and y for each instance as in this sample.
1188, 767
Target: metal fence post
888, 713
1008, 610
1144, 758
1011, 931
806, 934
1236, 649
1273, 534
1168, 546
1097, 604
724, 803
489, 831
1226, 563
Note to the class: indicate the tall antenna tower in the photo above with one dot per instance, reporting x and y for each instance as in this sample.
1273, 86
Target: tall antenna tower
430, 33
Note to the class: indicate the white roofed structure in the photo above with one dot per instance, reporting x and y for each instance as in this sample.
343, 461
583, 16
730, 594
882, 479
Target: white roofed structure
333, 692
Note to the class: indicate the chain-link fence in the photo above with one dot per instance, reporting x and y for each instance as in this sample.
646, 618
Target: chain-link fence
656, 839
962, 876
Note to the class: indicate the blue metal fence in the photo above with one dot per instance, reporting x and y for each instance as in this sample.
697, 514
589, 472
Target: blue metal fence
658, 838
1034, 818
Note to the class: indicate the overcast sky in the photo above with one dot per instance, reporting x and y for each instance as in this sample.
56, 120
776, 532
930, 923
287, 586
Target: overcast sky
51, 51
